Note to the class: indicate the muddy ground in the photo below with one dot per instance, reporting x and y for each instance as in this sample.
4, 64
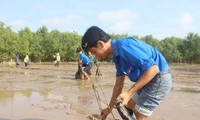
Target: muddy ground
46, 92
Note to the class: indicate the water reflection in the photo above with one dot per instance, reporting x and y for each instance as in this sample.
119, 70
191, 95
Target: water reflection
29, 104
15, 102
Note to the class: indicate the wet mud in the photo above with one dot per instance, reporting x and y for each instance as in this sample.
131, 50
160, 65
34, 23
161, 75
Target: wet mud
46, 92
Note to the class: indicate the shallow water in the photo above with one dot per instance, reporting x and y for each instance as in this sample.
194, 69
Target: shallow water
46, 92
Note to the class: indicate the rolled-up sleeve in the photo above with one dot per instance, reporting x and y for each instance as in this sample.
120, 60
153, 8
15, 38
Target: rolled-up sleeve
146, 63
119, 73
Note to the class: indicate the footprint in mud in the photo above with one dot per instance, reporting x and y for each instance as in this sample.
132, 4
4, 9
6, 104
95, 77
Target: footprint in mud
96, 117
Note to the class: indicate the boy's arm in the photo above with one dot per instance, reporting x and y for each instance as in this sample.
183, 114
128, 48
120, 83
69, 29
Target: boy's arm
145, 78
80, 62
119, 83
116, 92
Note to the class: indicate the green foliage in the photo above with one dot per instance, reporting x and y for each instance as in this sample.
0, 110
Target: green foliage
149, 39
117, 37
169, 48
26, 36
8, 42
42, 45
192, 48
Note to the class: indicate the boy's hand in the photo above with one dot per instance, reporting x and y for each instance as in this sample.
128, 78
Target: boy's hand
124, 97
104, 113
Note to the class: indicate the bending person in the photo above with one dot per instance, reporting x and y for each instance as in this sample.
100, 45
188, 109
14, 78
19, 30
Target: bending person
143, 64
85, 61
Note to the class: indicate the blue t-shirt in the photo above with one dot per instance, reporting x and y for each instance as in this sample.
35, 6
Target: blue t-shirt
85, 59
132, 57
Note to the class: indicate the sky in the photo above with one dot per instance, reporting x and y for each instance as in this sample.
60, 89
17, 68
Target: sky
160, 18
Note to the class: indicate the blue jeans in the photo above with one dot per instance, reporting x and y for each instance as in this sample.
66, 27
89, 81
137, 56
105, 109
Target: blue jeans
152, 94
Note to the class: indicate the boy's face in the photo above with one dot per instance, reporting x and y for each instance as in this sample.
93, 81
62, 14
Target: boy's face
100, 50
97, 52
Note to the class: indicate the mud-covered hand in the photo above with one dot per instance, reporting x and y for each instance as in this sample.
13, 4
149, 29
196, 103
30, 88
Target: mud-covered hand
105, 112
124, 97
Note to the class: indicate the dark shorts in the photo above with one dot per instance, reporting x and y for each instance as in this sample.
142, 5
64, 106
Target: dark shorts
26, 63
87, 67
17, 63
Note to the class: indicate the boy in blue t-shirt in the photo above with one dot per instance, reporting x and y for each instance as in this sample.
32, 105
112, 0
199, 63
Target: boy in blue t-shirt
143, 64
85, 62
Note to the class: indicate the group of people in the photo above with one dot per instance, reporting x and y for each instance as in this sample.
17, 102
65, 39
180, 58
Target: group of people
144, 65
26, 60
85, 61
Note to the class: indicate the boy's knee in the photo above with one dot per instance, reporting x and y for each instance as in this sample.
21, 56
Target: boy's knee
142, 112
139, 116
